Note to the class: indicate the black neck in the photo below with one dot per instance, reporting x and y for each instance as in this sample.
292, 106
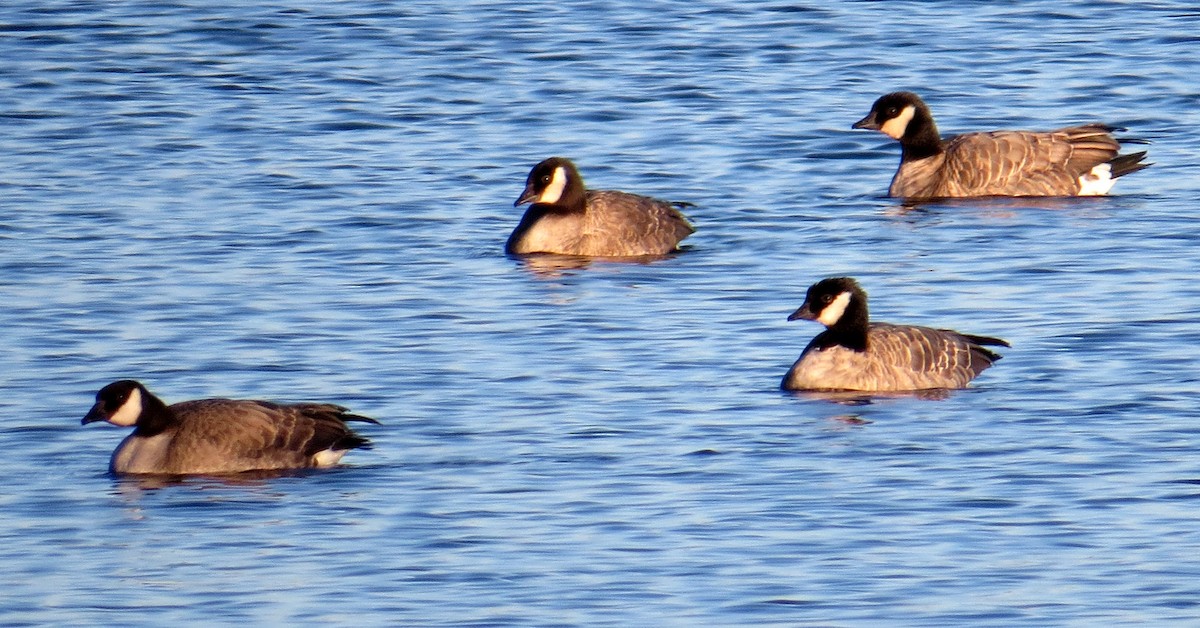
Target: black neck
921, 139
850, 330
156, 416
574, 197
542, 209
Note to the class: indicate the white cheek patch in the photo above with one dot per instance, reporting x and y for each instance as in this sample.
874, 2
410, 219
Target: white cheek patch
1097, 182
127, 415
896, 127
833, 312
554, 191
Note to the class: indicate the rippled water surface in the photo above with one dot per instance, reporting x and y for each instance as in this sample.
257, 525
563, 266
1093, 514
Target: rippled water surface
311, 203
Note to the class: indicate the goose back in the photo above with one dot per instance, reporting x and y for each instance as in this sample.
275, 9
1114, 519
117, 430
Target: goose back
1009, 163
897, 358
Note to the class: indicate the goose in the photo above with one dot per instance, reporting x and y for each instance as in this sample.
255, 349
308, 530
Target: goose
219, 436
858, 355
568, 219
1072, 161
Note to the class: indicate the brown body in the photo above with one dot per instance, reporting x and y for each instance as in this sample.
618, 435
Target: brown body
1073, 161
896, 358
568, 219
218, 436
855, 354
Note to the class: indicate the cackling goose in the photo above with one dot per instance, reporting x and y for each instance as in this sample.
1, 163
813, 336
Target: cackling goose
856, 354
216, 436
568, 219
1073, 161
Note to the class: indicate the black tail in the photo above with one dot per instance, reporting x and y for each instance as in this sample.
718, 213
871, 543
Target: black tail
351, 441
985, 340
358, 417
1124, 164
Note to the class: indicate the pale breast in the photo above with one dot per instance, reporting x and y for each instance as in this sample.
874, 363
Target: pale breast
138, 454
839, 368
544, 231
921, 178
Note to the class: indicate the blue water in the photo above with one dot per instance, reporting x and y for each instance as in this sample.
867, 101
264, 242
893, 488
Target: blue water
311, 203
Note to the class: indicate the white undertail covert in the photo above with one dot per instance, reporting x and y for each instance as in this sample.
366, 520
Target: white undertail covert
1097, 182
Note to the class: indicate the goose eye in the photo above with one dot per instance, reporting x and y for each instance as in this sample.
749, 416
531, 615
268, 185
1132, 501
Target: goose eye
890, 112
545, 178
826, 298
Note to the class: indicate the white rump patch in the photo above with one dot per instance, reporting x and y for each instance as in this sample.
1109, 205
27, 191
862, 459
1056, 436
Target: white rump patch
127, 415
896, 127
554, 191
328, 457
833, 312
1097, 182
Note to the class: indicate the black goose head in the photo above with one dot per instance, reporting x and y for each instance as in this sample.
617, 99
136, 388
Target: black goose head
904, 117
836, 303
127, 403
119, 403
554, 181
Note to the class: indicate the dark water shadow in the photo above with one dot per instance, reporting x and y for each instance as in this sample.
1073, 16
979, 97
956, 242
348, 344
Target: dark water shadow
856, 398
135, 484
1000, 206
553, 265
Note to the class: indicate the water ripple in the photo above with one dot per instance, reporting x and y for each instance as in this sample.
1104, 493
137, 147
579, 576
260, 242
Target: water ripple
311, 203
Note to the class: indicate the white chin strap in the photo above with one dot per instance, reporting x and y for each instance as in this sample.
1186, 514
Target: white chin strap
554, 191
